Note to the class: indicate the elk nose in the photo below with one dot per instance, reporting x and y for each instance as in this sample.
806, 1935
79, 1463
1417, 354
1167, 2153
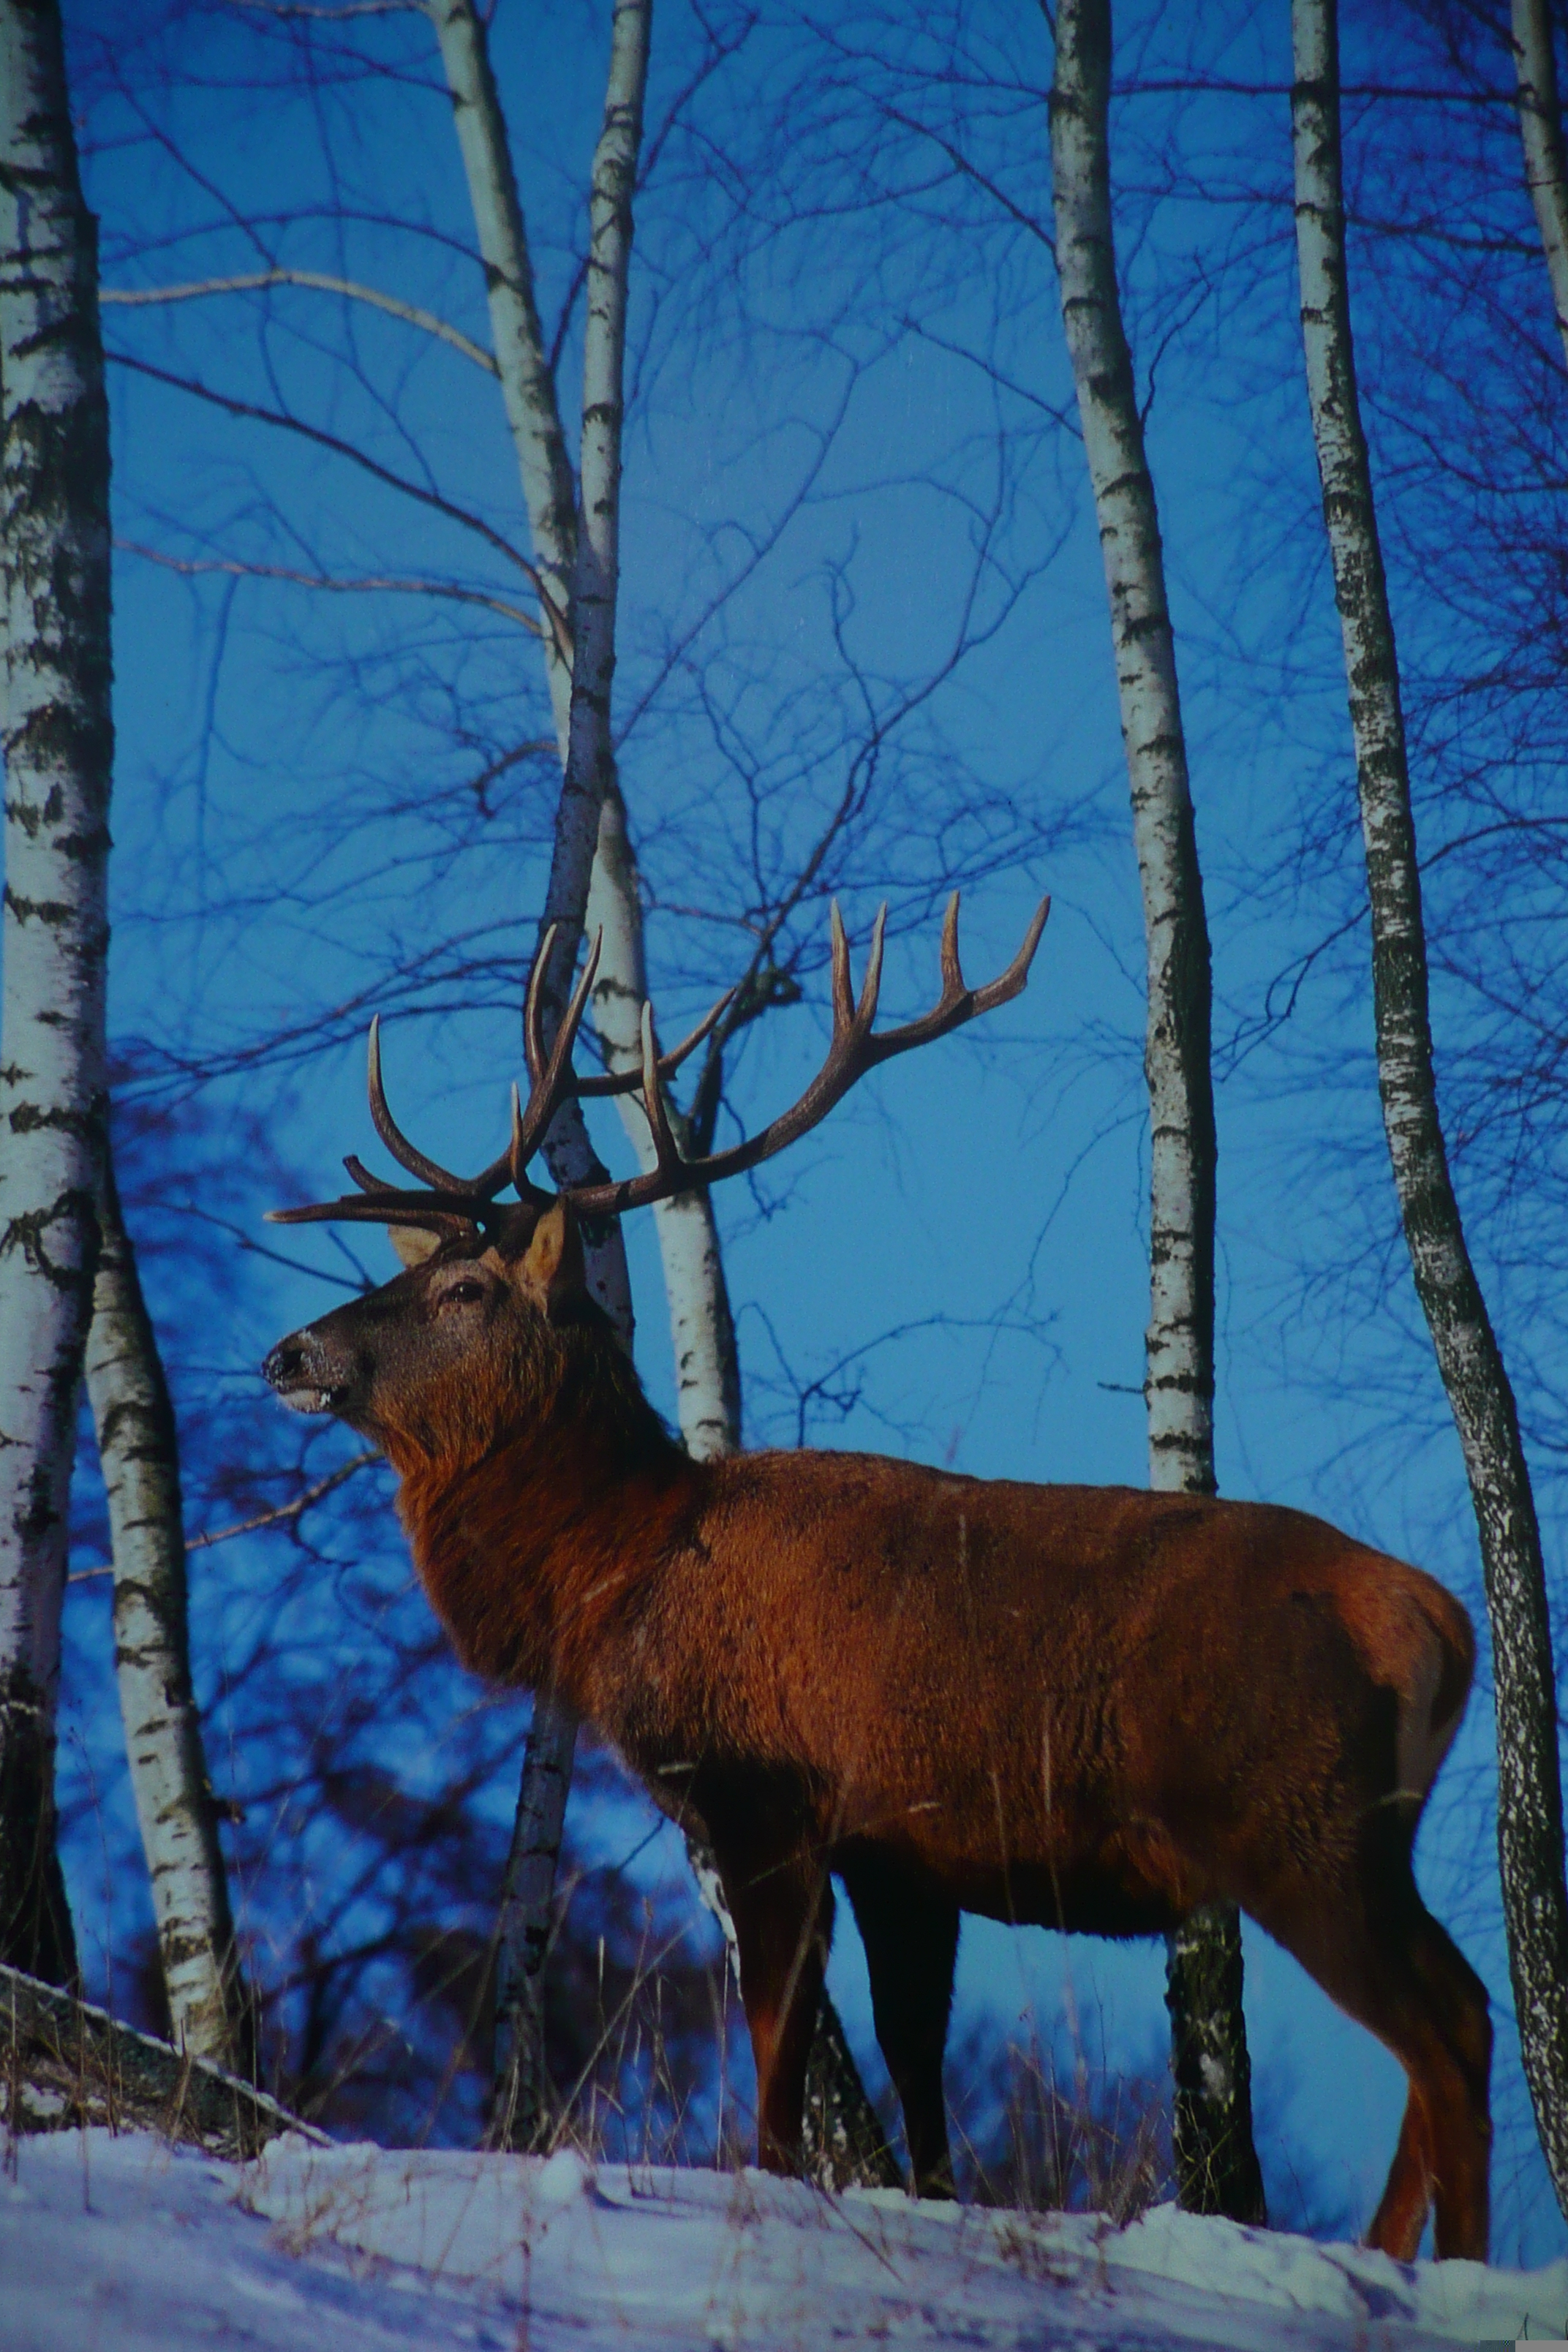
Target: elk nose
298, 1369
285, 1367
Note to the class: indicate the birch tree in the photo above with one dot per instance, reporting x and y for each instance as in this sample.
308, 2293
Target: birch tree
1216, 2165
1529, 1796
176, 1809
701, 1325
519, 2116
58, 759
1540, 129
58, 747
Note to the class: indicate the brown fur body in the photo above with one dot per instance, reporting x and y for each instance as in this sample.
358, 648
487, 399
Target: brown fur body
1087, 1707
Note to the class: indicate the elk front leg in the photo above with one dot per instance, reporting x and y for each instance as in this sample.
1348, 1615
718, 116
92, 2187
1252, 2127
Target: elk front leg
911, 1941
783, 1913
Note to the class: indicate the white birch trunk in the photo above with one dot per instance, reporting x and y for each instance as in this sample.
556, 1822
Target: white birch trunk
138, 1449
1529, 1796
527, 385
519, 2117
1540, 129
703, 1329
1216, 2164
699, 1307
58, 747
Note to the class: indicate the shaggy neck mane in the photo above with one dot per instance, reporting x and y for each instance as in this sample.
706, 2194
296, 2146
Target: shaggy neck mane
533, 1510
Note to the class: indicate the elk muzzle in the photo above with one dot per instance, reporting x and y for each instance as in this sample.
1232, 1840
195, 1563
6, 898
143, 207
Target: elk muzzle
310, 1373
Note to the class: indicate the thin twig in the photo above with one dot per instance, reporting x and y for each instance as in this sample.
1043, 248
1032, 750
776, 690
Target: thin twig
384, 474
284, 1512
253, 281
374, 583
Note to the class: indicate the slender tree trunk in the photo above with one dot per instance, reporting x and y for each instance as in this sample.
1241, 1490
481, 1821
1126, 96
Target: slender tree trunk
519, 2119
1529, 1796
58, 747
707, 1367
520, 2109
138, 1446
1216, 2164
1540, 129
527, 385
701, 1328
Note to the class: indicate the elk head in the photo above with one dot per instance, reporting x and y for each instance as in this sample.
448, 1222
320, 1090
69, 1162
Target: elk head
474, 1339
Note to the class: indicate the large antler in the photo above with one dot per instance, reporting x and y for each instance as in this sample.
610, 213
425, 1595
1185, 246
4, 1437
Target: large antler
448, 1203
853, 1051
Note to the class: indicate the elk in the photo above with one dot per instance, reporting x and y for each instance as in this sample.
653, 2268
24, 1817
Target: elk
1089, 1707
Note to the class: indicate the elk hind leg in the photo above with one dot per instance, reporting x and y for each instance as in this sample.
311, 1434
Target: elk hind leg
1459, 2116
910, 1937
783, 1914
1380, 1954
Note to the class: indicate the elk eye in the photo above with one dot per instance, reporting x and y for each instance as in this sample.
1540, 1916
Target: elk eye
463, 1294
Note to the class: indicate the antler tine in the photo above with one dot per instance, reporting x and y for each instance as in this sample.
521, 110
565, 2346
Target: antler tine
532, 1010
853, 1051
556, 1081
436, 1212
625, 1082
843, 991
664, 1143
1014, 981
951, 970
408, 1155
362, 1177
958, 1004
871, 986
520, 1152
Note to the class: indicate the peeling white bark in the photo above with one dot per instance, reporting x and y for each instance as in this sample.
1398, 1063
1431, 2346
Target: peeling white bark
1529, 1796
58, 748
596, 580
1540, 129
702, 1330
138, 1449
526, 382
1216, 2164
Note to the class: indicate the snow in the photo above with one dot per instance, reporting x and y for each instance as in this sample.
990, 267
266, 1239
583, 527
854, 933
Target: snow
124, 2242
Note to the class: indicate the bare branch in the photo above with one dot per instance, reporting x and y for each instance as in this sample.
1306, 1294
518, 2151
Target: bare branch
370, 466
284, 1513
374, 583
253, 281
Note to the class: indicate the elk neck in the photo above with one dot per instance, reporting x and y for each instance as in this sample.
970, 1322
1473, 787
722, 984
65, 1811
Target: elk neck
538, 1548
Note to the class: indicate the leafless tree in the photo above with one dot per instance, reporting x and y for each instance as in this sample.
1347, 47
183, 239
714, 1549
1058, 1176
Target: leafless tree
589, 771
138, 1444
59, 745
707, 1369
1530, 1801
1216, 2163
58, 757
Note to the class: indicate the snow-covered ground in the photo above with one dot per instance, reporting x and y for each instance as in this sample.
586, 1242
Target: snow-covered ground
126, 2244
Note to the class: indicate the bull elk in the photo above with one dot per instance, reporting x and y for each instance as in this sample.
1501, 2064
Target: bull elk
1089, 1707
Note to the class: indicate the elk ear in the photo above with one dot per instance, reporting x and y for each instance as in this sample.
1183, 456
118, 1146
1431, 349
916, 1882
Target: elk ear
552, 1270
413, 1244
